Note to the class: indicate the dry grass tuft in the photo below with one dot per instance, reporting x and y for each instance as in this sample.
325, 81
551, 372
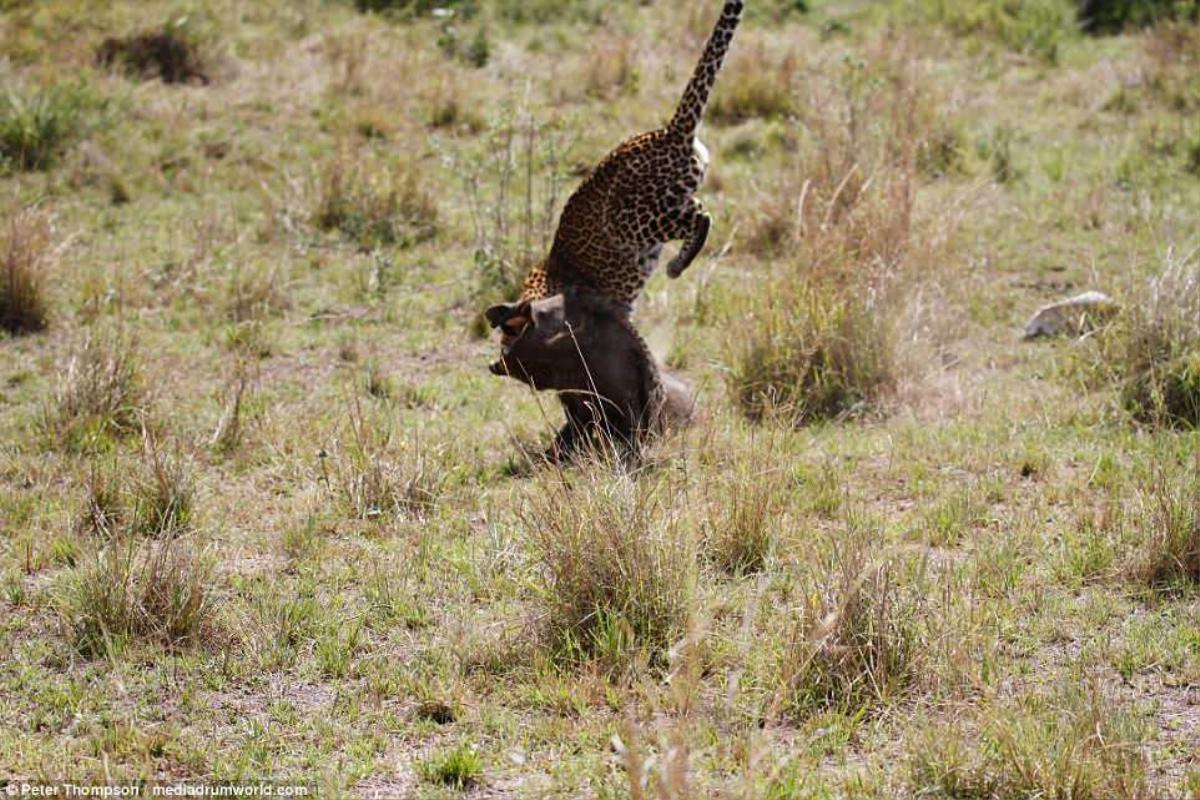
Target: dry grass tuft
24, 259
1075, 743
813, 355
1168, 514
373, 479
374, 204
99, 396
856, 642
740, 520
164, 494
155, 591
103, 513
822, 344
617, 567
1153, 351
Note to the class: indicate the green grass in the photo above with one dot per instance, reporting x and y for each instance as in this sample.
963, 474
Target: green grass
460, 767
814, 357
1114, 16
98, 396
618, 569
126, 590
36, 126
1034, 27
265, 515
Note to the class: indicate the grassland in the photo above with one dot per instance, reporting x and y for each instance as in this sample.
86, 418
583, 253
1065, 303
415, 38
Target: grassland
265, 515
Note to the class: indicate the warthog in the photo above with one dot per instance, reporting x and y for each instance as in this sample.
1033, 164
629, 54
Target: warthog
583, 347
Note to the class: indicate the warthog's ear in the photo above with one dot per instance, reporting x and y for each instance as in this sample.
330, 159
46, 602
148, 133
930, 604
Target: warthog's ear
550, 313
509, 317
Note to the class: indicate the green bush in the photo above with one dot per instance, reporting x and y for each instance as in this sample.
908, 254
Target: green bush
1034, 27
1152, 351
1156, 351
375, 205
616, 569
159, 592
1114, 16
460, 767
811, 355
36, 126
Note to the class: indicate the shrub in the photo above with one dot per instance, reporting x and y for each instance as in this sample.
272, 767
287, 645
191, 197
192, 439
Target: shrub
856, 641
1073, 744
811, 355
1169, 517
98, 396
375, 205
1114, 16
373, 480
36, 126
740, 520
1034, 27
1153, 351
172, 54
460, 767
159, 592
617, 568
164, 494
24, 256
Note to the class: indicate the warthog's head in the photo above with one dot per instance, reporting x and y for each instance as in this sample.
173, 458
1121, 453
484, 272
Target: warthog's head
543, 342
585, 348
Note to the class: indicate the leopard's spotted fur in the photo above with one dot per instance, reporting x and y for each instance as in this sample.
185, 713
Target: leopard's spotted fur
641, 196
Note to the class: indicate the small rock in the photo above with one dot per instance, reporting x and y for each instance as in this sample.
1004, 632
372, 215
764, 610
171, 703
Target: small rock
1073, 316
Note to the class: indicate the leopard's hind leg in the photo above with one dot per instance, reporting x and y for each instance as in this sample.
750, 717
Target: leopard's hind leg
692, 225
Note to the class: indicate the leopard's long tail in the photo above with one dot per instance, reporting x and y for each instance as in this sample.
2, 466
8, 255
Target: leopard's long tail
695, 98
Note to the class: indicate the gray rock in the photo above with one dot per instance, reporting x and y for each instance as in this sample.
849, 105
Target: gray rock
1074, 316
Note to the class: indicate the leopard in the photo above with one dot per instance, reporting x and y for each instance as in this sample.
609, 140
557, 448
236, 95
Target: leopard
612, 231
